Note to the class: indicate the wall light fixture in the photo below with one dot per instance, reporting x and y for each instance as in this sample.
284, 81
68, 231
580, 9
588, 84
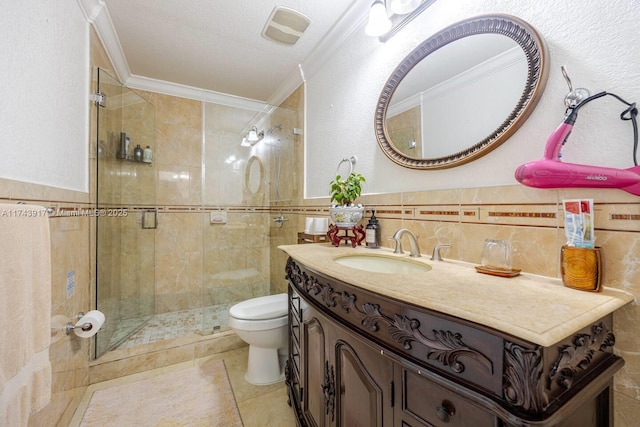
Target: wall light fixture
379, 23
385, 23
252, 137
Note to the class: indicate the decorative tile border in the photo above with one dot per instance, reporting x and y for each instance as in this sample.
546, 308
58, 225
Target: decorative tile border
624, 217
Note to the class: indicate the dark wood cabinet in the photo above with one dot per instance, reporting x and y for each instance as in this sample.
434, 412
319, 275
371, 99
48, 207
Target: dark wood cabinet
346, 381
358, 358
353, 379
317, 401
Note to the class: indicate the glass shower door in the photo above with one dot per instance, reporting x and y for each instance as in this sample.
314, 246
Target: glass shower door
126, 213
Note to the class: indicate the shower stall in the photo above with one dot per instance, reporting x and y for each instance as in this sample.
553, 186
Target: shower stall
125, 192
195, 230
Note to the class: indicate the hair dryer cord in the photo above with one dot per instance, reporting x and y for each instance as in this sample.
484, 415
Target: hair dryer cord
630, 113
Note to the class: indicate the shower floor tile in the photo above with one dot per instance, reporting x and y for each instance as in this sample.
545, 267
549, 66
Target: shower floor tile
173, 325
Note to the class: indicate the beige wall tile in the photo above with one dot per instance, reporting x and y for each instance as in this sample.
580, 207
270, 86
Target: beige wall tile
174, 184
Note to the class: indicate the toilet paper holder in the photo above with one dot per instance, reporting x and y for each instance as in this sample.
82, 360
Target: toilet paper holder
69, 327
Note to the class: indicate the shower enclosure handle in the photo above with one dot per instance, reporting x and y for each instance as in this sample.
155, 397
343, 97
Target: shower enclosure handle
280, 219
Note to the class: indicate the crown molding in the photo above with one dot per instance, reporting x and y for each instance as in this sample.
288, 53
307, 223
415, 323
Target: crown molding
190, 92
288, 86
353, 19
97, 14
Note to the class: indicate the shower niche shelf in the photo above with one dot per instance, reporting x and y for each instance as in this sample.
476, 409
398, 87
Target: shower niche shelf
128, 160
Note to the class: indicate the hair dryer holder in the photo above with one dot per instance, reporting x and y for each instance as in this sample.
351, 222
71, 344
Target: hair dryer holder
551, 172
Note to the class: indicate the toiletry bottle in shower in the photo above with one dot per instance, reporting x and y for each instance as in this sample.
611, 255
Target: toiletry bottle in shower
373, 231
124, 146
137, 153
147, 155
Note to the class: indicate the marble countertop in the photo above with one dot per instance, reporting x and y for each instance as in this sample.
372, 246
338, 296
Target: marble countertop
535, 308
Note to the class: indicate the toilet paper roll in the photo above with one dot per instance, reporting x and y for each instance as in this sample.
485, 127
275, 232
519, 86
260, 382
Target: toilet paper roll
320, 225
308, 223
95, 318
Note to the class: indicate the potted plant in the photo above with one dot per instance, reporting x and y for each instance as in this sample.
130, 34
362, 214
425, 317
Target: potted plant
345, 192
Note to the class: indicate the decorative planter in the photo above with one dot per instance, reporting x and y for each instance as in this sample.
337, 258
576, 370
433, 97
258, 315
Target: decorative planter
346, 216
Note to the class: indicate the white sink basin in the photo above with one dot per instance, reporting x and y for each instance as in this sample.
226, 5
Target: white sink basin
382, 263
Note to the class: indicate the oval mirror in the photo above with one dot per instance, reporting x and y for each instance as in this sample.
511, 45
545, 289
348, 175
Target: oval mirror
461, 93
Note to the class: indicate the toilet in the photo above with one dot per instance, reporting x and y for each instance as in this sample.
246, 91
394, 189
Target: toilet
262, 323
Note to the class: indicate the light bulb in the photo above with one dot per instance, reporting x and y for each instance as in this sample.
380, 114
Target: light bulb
379, 22
253, 135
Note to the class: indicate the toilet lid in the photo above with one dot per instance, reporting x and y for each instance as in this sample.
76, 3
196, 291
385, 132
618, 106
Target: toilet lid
261, 308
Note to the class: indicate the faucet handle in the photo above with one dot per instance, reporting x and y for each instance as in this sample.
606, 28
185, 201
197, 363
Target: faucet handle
436, 251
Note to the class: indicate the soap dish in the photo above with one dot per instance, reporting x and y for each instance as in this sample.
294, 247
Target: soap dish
501, 272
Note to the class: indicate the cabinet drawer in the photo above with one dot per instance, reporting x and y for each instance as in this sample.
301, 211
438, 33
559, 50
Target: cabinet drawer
433, 405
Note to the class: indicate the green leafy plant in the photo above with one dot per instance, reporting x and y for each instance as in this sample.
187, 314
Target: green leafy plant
346, 191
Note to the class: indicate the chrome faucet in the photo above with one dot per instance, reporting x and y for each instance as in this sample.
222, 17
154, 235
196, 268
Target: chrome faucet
413, 242
436, 251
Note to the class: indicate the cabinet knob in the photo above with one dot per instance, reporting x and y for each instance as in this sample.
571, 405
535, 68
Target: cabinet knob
445, 411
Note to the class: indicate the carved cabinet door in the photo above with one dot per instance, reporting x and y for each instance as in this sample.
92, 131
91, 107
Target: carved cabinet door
346, 382
313, 363
364, 383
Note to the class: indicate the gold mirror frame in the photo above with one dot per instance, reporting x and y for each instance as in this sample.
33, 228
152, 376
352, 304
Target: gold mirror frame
537, 69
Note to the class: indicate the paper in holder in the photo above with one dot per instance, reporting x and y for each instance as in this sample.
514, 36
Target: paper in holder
95, 318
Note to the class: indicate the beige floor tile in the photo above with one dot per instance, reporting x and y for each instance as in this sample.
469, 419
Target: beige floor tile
268, 410
236, 363
259, 406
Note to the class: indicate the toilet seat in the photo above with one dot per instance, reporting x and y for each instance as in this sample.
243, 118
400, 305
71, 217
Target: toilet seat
261, 308
257, 325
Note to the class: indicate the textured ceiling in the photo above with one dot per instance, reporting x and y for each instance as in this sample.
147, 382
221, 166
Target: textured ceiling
217, 45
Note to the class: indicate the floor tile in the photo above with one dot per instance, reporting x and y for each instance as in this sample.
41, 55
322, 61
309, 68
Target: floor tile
268, 410
259, 406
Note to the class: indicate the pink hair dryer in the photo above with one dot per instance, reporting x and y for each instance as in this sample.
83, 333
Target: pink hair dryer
551, 172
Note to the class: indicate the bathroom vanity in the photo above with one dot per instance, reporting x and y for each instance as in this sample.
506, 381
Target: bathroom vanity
444, 347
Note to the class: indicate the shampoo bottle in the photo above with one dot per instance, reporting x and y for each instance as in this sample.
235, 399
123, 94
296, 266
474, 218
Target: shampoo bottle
137, 153
124, 146
372, 236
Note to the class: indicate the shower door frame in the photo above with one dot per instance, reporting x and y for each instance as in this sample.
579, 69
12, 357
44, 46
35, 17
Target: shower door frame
125, 192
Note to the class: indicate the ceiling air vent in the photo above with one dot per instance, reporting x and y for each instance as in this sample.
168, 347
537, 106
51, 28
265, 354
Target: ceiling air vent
285, 25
